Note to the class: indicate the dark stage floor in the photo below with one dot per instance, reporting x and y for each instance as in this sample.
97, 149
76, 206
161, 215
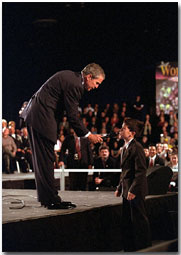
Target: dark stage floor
93, 226
85, 200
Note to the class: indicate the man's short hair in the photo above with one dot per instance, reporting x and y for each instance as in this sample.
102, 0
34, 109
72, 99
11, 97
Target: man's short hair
103, 147
94, 69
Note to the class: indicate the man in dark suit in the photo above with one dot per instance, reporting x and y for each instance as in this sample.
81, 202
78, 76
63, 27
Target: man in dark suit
104, 179
79, 156
153, 159
133, 186
61, 92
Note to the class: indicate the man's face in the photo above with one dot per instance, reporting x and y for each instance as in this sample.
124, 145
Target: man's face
152, 151
91, 83
104, 153
174, 159
159, 148
146, 152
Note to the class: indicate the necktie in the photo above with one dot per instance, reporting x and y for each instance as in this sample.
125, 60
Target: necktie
77, 147
151, 162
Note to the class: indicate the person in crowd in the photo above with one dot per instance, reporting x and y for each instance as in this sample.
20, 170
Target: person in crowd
115, 150
4, 124
61, 92
133, 188
121, 118
173, 164
138, 108
92, 123
57, 149
108, 110
174, 140
154, 159
174, 128
27, 149
146, 151
115, 109
89, 116
79, 156
114, 120
144, 141
20, 151
64, 125
8, 151
147, 126
165, 153
96, 110
159, 149
104, 179
89, 108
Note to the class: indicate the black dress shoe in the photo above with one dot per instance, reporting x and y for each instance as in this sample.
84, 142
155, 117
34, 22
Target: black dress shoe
68, 203
58, 206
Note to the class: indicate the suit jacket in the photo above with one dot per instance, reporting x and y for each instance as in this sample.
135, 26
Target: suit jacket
86, 153
158, 161
60, 93
109, 179
133, 176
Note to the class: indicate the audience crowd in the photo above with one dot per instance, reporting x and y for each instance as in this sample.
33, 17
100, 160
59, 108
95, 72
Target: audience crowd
159, 140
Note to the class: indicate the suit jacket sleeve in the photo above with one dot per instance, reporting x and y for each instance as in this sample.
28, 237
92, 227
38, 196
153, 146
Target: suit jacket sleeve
72, 95
140, 171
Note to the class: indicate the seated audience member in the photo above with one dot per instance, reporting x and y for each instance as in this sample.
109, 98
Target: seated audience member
173, 164
146, 150
144, 141
165, 153
159, 149
19, 153
104, 179
8, 151
26, 149
78, 155
64, 125
4, 124
153, 159
147, 126
57, 149
115, 150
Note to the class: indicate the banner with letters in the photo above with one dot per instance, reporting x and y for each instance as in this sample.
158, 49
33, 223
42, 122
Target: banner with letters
167, 87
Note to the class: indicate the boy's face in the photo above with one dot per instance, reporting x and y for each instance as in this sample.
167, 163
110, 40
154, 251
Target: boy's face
126, 134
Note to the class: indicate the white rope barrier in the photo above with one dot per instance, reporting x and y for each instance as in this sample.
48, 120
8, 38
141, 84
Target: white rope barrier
62, 172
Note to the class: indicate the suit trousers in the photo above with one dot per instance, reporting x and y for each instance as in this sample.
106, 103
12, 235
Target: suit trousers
135, 225
43, 158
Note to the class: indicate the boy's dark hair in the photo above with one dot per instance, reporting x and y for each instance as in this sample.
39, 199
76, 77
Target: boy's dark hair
134, 125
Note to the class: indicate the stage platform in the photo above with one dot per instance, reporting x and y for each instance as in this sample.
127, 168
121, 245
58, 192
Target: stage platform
25, 180
93, 226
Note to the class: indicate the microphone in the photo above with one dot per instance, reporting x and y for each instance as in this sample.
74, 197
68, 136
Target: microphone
109, 135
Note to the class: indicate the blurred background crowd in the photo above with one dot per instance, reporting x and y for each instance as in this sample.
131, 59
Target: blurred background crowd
159, 140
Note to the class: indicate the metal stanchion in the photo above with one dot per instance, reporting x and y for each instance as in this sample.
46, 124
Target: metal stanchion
62, 179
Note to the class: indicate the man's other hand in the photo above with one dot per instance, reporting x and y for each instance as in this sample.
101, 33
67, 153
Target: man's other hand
117, 193
130, 196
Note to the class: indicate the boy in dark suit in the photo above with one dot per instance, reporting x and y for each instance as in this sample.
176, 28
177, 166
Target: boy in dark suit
133, 187
62, 92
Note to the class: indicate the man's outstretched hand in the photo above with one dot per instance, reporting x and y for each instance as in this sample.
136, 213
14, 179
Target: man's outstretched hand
95, 138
